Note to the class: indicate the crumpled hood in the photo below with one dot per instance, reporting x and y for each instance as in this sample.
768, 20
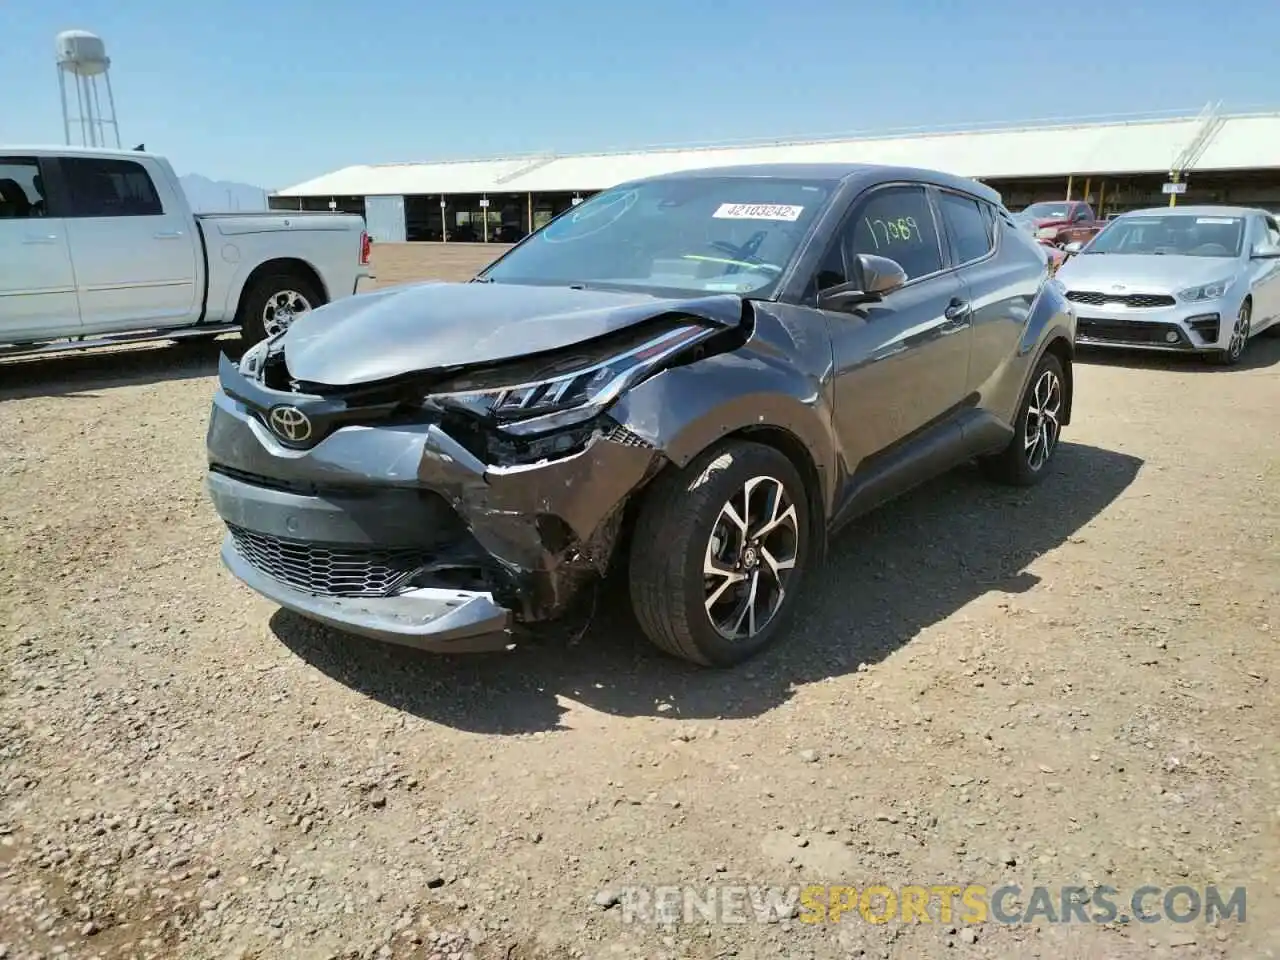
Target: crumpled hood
1143, 273
432, 326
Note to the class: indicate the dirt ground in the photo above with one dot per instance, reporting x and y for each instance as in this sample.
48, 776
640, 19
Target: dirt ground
1075, 685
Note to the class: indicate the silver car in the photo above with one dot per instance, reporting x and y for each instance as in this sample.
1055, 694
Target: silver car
1196, 279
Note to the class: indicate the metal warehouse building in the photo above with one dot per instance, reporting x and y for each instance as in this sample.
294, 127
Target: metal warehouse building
1117, 165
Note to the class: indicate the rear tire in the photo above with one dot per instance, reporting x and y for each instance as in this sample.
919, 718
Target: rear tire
1024, 462
741, 511
271, 304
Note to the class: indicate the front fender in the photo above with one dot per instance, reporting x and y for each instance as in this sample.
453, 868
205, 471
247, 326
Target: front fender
683, 410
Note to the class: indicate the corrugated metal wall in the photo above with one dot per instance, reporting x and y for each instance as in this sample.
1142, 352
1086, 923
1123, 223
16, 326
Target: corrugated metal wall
384, 218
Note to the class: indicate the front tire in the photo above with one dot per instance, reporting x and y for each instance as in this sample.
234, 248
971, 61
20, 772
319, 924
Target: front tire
1036, 429
1240, 332
272, 303
719, 552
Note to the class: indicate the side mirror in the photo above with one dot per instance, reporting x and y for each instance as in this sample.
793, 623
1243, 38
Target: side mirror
1266, 251
874, 279
1075, 246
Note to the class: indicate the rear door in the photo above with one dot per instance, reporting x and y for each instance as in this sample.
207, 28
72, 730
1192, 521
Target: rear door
37, 285
131, 244
997, 290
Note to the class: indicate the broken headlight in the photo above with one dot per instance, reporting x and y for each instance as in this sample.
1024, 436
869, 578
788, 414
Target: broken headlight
562, 400
252, 360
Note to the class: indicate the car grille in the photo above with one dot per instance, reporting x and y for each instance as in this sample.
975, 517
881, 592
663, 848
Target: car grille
1095, 299
331, 571
1130, 331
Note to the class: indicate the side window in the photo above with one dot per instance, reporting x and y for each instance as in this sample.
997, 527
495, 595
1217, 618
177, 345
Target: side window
110, 188
1082, 213
966, 226
990, 218
21, 188
897, 222
1272, 231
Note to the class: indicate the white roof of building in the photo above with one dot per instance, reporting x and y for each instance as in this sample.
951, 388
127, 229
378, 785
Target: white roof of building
1244, 143
458, 176
1250, 141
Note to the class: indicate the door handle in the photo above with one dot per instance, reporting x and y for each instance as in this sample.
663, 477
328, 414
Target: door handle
957, 309
47, 238
168, 235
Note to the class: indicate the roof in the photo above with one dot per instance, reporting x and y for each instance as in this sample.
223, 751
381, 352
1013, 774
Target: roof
62, 149
835, 172
1196, 210
1114, 147
450, 176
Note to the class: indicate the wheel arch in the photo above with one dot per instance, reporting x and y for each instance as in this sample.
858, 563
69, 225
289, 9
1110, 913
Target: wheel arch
281, 265
685, 411
1064, 350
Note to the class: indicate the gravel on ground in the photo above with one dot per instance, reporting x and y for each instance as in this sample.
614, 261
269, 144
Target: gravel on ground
1074, 685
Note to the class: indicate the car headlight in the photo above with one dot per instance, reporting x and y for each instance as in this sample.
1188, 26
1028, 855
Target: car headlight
1206, 291
1046, 233
252, 360
561, 401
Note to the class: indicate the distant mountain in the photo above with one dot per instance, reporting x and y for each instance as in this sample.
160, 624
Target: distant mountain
220, 196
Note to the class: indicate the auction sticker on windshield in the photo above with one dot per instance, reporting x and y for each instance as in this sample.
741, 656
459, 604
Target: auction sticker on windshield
758, 211
1225, 221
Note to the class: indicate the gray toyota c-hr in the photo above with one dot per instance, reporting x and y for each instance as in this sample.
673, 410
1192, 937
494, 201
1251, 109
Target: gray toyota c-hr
694, 378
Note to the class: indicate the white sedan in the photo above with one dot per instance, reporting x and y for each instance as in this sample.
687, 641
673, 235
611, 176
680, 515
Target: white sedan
1196, 279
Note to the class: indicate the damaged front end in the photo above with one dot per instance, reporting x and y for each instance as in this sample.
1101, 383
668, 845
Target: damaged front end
438, 508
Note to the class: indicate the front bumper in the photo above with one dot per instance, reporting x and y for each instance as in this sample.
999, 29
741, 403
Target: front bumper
433, 619
399, 533
1183, 328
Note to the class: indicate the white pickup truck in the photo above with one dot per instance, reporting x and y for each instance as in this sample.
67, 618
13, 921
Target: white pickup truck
100, 247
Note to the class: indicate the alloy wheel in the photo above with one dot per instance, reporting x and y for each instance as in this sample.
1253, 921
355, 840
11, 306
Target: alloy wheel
750, 556
281, 309
1239, 333
1040, 435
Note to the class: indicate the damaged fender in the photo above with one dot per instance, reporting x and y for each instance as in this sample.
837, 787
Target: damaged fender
684, 410
549, 524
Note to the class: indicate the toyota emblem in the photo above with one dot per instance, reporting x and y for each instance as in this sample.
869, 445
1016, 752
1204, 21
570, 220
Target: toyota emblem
1118, 286
290, 424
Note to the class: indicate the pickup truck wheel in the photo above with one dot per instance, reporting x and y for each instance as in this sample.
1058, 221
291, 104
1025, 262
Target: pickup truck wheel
1036, 429
272, 303
718, 554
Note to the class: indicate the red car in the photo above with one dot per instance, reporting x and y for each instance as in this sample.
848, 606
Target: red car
1060, 222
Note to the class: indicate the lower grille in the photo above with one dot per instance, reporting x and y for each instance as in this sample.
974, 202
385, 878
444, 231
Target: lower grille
330, 571
620, 434
1130, 331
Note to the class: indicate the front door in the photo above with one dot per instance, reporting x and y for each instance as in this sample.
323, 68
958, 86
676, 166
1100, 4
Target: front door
1266, 273
37, 283
903, 363
132, 246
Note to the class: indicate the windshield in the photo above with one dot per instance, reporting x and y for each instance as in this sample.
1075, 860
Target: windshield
1047, 211
1182, 235
687, 235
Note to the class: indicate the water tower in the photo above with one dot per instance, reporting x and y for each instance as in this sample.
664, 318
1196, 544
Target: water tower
82, 56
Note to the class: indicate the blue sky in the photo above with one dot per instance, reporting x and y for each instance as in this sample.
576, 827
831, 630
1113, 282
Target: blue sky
272, 92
